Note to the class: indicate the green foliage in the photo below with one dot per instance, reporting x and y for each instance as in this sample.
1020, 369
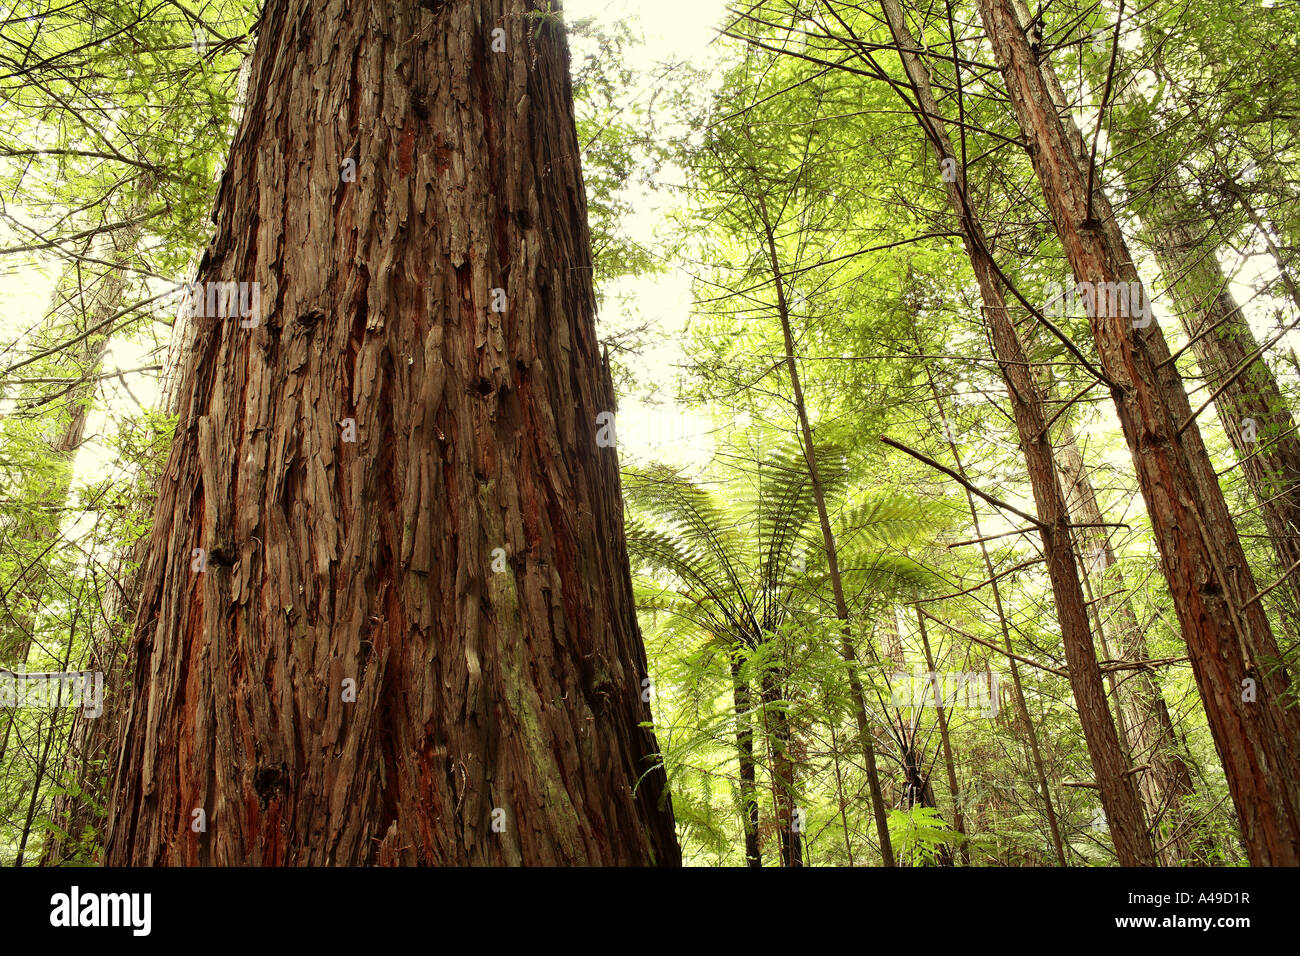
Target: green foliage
921, 836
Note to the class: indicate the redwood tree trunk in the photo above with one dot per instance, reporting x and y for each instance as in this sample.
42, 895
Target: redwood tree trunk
496, 713
1229, 640
1118, 795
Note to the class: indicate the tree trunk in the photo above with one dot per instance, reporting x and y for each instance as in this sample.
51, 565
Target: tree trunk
351, 678
1168, 781
783, 794
1229, 641
743, 701
1118, 794
1022, 706
93, 301
80, 802
941, 713
847, 652
1268, 449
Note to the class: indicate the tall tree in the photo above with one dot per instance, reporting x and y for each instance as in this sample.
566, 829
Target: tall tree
1250, 405
847, 650
1166, 783
1186, 233
1110, 765
386, 613
1230, 643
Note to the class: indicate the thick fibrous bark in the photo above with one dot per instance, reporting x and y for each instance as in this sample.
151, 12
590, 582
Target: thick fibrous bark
1229, 641
496, 712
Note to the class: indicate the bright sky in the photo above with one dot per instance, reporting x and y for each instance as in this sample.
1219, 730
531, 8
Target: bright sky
653, 426
673, 28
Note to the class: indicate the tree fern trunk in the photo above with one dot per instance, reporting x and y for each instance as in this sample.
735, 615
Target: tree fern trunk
742, 699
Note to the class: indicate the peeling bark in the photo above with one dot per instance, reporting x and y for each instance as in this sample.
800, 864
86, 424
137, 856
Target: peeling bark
497, 714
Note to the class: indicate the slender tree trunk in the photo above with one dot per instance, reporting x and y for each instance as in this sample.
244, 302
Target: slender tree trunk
1031, 735
1229, 639
340, 675
743, 702
1118, 794
24, 604
1167, 784
1249, 403
92, 303
958, 819
83, 762
847, 651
